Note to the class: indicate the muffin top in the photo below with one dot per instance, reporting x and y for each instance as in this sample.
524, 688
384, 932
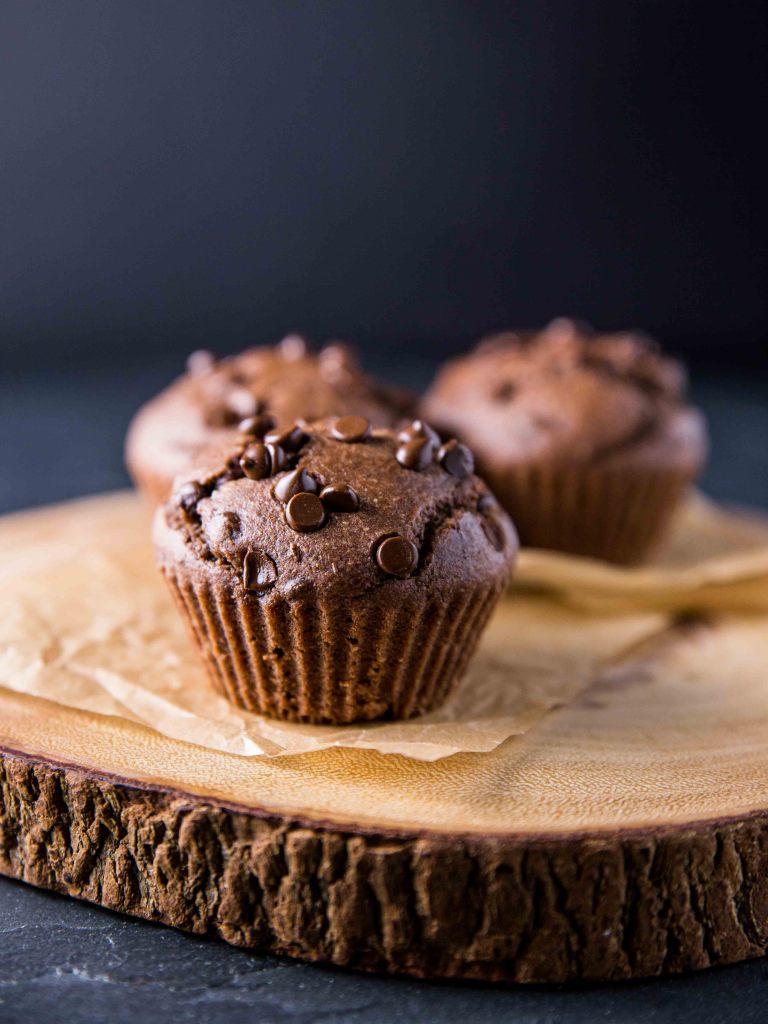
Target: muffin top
566, 394
289, 381
340, 506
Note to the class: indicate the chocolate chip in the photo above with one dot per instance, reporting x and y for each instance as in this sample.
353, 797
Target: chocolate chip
290, 438
504, 391
200, 362
188, 495
305, 512
417, 454
256, 461
293, 347
242, 403
397, 556
494, 532
418, 428
223, 527
351, 429
256, 426
336, 356
259, 571
456, 459
544, 422
295, 482
221, 416
278, 456
341, 498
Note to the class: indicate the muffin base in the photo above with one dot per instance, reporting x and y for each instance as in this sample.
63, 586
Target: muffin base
606, 512
310, 660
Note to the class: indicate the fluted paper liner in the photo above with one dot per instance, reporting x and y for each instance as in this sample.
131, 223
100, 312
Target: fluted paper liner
85, 620
598, 511
321, 661
713, 558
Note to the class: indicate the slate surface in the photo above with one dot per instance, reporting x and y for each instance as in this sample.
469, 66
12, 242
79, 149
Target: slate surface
70, 963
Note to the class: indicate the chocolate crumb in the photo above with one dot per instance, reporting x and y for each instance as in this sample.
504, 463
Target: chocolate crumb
259, 571
223, 527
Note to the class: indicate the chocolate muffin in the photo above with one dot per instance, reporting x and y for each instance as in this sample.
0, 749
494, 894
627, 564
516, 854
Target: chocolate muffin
585, 439
201, 410
333, 572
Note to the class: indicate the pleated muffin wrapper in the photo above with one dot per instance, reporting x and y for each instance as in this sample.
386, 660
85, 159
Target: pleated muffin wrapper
326, 660
613, 512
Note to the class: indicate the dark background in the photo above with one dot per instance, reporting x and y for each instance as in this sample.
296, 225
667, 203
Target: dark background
403, 173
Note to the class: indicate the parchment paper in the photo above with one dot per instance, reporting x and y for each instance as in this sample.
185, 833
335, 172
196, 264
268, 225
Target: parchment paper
86, 621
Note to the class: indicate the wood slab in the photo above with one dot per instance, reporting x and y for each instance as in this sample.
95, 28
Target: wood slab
625, 835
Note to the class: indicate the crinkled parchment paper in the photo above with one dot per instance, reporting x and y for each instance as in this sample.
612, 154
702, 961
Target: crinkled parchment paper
85, 621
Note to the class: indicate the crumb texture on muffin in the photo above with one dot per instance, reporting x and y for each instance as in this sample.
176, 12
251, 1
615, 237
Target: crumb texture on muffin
565, 394
340, 579
586, 440
221, 513
288, 382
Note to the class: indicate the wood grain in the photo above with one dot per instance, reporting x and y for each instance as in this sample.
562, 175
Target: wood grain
625, 835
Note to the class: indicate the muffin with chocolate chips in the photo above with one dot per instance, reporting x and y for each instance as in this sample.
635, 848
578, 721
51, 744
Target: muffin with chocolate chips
336, 572
202, 409
586, 440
